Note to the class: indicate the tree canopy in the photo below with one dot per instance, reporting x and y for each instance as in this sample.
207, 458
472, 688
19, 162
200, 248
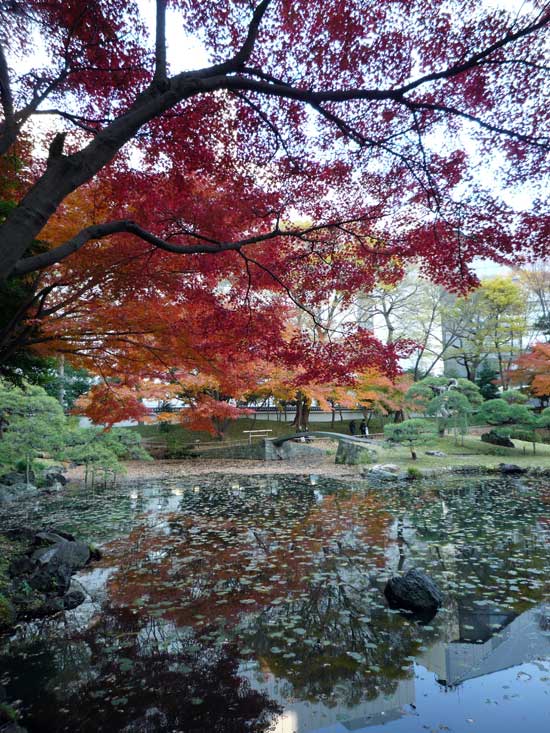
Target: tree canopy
300, 90
532, 369
319, 150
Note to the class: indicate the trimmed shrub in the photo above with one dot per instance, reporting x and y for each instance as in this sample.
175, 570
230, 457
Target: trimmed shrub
497, 439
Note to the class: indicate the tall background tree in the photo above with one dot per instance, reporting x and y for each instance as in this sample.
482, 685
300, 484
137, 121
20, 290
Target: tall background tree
489, 324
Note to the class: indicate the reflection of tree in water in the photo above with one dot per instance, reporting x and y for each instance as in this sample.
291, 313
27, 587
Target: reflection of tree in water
234, 555
141, 676
243, 497
487, 536
289, 576
336, 640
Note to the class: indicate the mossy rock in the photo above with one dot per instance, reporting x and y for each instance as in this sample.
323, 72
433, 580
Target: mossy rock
355, 454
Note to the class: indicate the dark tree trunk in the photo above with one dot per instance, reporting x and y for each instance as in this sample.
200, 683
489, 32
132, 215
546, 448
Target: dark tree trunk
302, 412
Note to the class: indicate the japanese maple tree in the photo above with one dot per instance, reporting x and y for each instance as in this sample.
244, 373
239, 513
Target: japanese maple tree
533, 370
350, 112
180, 212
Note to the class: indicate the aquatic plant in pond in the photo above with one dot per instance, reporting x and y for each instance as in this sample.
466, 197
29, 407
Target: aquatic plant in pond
215, 586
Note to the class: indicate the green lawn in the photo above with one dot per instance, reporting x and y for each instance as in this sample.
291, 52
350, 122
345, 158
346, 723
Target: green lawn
473, 453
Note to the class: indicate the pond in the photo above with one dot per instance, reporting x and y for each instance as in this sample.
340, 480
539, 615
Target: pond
237, 604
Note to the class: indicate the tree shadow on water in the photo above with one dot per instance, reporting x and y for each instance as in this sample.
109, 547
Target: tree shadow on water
134, 675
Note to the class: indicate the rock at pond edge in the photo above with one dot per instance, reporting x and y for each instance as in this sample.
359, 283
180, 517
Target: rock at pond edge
39, 574
511, 468
414, 591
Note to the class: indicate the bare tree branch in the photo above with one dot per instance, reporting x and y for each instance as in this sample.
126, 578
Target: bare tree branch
541, 142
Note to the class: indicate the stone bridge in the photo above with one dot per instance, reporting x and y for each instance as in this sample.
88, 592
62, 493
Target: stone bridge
351, 449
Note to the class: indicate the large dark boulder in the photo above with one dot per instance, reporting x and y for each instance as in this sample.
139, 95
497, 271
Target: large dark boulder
74, 596
14, 492
15, 477
414, 591
495, 439
52, 537
41, 575
54, 565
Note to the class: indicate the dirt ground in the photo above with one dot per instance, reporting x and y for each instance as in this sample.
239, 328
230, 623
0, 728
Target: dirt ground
165, 469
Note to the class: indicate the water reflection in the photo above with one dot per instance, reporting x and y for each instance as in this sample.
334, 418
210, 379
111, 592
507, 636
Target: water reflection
124, 674
268, 592
505, 643
452, 663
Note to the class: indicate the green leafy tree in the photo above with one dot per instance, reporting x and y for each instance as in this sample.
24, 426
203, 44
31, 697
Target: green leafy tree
412, 432
452, 409
101, 452
97, 460
542, 325
486, 381
544, 418
506, 417
491, 322
31, 423
526, 420
495, 412
514, 396
423, 392
66, 384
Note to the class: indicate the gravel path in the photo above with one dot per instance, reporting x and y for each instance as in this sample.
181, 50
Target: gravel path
163, 469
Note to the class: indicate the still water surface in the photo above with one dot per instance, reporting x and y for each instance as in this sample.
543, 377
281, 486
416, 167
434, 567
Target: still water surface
237, 604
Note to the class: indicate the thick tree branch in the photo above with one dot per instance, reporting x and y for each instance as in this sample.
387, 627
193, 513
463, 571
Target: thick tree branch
208, 246
160, 43
246, 49
397, 93
5, 87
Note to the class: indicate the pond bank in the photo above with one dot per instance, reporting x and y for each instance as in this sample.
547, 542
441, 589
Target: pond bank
36, 572
167, 469
324, 467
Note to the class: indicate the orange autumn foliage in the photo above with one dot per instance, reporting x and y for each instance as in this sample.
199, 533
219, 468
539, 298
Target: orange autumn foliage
533, 369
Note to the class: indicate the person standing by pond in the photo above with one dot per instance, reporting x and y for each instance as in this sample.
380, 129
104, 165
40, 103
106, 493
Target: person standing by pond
363, 429
353, 427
